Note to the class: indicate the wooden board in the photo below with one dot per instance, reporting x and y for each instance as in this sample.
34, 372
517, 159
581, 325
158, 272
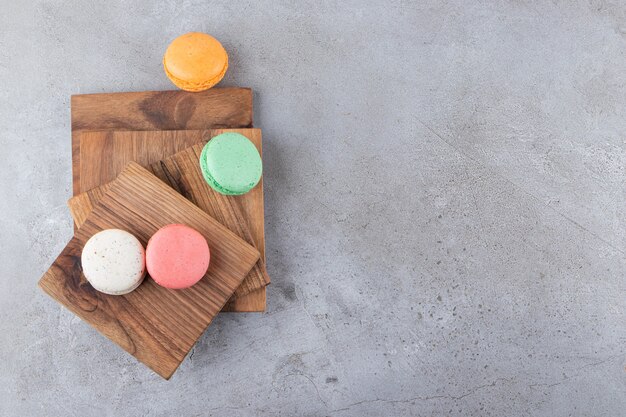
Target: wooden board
156, 325
180, 171
157, 110
165, 110
251, 203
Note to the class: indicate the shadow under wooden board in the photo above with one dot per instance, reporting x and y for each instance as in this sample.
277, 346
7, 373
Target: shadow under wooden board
181, 171
162, 110
155, 324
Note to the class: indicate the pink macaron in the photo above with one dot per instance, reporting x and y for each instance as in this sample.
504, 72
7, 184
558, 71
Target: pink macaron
177, 256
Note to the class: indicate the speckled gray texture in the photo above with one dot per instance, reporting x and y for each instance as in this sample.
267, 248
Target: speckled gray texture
445, 208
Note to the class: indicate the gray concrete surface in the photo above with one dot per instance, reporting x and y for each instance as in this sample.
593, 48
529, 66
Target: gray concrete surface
445, 200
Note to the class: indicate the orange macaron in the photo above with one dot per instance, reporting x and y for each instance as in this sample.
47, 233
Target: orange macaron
195, 61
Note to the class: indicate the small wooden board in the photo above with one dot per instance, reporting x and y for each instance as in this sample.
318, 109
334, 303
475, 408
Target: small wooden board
157, 110
180, 171
156, 325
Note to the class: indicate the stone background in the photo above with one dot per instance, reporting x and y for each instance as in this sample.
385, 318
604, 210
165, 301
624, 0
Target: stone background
445, 208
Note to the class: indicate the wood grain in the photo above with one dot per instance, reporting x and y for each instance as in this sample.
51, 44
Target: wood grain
182, 172
106, 153
157, 110
156, 325
164, 110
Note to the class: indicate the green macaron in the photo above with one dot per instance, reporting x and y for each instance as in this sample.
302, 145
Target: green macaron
231, 164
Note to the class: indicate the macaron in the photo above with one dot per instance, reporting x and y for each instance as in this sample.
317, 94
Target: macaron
195, 61
231, 164
114, 262
177, 256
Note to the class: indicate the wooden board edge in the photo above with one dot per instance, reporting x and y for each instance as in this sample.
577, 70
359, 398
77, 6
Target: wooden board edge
255, 302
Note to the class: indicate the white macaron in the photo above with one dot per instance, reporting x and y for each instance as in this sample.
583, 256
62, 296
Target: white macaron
114, 262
